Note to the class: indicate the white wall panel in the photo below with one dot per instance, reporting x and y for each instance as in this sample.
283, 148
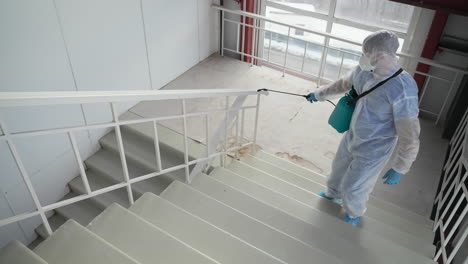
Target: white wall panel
100, 45
172, 34
11, 231
106, 43
208, 23
33, 57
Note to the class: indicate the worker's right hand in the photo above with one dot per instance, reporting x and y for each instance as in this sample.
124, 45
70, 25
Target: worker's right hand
311, 98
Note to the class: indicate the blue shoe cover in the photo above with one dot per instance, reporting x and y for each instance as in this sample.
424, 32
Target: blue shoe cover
352, 221
335, 200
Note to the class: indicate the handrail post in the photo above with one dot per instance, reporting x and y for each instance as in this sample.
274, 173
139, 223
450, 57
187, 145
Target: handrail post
157, 150
123, 159
226, 117
222, 33
256, 123
186, 159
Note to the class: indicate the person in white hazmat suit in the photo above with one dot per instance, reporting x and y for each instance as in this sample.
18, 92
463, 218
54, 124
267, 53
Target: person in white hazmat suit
387, 115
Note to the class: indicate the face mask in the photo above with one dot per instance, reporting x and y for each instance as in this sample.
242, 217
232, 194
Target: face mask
365, 64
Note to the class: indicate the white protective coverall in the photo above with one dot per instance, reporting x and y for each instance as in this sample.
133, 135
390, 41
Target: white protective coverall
383, 117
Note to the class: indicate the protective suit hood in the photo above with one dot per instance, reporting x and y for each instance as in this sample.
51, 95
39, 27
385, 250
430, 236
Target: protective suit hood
379, 50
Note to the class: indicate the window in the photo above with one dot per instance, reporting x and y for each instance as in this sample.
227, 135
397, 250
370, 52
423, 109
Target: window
353, 19
379, 13
319, 6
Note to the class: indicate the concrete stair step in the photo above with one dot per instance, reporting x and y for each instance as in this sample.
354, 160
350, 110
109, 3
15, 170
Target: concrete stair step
322, 237
287, 165
309, 191
17, 253
316, 211
141, 240
252, 231
108, 163
55, 221
98, 181
82, 212
316, 177
74, 244
143, 154
169, 138
417, 229
201, 235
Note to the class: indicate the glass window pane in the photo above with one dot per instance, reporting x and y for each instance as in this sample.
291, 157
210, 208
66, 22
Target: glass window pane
319, 6
354, 34
278, 48
350, 33
296, 20
312, 61
338, 64
381, 13
295, 54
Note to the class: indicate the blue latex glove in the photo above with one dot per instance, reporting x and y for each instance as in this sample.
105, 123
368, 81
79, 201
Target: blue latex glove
392, 177
311, 98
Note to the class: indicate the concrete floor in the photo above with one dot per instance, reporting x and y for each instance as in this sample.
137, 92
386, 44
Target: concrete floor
292, 128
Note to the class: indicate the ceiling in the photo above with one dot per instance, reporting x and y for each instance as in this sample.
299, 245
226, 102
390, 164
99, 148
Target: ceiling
451, 6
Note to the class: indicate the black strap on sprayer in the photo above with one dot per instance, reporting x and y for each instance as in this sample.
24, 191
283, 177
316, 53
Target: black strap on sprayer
355, 99
294, 94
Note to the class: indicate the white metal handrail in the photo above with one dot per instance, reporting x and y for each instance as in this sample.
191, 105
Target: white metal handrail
14, 99
446, 203
257, 27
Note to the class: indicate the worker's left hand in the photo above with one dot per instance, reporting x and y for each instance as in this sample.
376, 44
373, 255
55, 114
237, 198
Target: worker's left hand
311, 97
392, 177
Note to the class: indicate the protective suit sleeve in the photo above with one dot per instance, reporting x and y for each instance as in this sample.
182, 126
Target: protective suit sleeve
407, 127
336, 89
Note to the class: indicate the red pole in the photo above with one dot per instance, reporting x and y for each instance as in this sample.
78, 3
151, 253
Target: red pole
431, 45
249, 7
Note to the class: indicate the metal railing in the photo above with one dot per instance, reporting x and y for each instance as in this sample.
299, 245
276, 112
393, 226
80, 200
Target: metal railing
409, 61
451, 202
12, 99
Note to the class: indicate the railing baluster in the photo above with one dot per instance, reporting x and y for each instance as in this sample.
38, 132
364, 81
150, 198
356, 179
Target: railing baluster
186, 154
76, 151
286, 52
236, 143
256, 123
461, 240
26, 179
157, 150
341, 65
222, 33
254, 39
207, 128
226, 117
243, 32
323, 63
424, 89
237, 37
269, 46
242, 126
123, 159
304, 56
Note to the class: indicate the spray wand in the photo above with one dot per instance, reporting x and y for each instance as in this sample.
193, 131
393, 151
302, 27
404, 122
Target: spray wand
293, 94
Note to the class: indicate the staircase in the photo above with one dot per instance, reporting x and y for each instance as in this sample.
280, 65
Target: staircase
259, 209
